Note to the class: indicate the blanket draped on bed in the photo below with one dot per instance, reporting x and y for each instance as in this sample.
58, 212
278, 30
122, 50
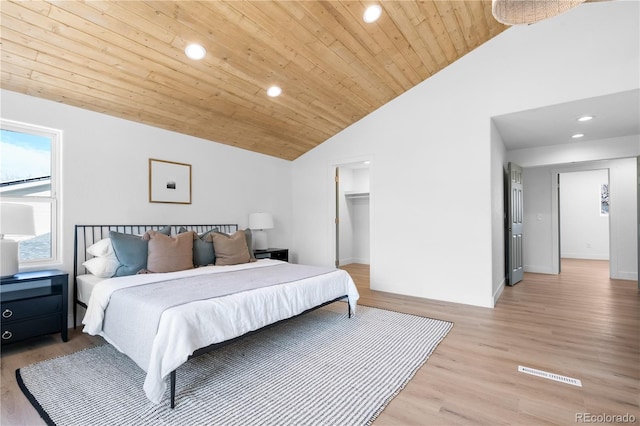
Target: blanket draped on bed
158, 325
143, 305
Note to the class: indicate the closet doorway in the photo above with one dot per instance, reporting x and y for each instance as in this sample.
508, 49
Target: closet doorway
583, 207
352, 213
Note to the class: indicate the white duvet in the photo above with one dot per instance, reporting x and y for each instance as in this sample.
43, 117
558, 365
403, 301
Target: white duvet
188, 327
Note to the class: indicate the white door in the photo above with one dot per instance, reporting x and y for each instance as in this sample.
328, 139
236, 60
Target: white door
514, 221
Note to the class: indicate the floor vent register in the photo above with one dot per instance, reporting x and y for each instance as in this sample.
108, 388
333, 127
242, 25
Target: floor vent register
550, 376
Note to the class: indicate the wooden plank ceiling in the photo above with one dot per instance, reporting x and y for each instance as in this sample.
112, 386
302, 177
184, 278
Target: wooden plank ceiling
126, 59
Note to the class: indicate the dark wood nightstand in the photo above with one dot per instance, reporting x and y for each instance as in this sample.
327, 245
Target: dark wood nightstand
272, 253
34, 304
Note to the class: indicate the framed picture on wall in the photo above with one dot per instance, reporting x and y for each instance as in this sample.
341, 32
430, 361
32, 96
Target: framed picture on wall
169, 182
604, 199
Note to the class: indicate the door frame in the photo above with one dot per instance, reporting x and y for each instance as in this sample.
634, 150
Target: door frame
331, 214
555, 213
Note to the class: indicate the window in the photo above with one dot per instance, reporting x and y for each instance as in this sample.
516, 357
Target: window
29, 175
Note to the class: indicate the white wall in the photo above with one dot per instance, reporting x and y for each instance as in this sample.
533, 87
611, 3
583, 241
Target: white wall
623, 243
345, 225
435, 223
105, 173
576, 152
541, 245
537, 195
360, 213
498, 216
361, 179
584, 231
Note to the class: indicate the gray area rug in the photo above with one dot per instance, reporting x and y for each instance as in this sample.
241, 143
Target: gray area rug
318, 369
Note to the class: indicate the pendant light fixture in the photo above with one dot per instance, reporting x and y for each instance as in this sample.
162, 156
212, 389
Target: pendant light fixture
516, 12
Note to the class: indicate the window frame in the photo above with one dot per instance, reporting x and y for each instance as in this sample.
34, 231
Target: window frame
55, 136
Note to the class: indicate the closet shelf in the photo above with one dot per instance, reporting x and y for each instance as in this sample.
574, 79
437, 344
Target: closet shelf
356, 194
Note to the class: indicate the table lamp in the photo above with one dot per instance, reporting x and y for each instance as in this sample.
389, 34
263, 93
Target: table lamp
16, 220
258, 222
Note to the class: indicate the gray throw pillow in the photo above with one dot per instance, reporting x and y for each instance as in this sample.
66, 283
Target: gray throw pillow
131, 251
203, 253
249, 238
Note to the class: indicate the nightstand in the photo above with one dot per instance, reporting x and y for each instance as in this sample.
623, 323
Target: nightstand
34, 304
272, 253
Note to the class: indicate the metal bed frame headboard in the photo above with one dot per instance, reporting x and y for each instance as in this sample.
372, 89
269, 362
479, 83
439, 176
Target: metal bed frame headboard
87, 235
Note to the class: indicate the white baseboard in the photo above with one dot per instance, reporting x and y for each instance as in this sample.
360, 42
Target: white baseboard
350, 260
498, 292
589, 256
632, 276
623, 275
538, 269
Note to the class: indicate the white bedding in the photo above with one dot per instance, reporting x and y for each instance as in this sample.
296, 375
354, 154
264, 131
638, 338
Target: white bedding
86, 283
188, 327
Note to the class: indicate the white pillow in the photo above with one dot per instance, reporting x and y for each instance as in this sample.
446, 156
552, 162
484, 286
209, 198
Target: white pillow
103, 267
101, 248
105, 263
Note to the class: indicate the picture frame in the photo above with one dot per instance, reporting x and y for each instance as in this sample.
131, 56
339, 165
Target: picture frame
604, 199
169, 182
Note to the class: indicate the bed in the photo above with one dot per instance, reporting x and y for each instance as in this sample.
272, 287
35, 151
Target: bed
161, 319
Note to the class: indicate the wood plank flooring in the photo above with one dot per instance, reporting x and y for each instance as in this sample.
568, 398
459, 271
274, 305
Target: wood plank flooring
579, 324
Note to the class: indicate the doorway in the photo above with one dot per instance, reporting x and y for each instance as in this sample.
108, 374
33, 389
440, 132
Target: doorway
583, 215
352, 213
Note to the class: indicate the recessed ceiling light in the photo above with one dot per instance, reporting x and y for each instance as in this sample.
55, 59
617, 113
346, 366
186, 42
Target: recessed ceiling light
372, 13
195, 51
577, 135
274, 91
585, 118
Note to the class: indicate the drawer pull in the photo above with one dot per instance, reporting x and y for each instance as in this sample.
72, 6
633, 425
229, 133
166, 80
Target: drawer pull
7, 335
7, 313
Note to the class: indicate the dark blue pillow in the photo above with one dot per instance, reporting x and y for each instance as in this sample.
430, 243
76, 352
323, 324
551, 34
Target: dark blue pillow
131, 251
203, 254
249, 237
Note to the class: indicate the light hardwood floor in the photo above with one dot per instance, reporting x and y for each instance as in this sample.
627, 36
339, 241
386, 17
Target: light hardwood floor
579, 324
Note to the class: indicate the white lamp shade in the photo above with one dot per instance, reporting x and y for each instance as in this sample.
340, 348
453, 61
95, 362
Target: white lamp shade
16, 220
9, 263
261, 220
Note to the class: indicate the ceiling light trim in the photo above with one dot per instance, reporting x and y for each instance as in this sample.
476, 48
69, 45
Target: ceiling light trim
195, 51
274, 91
372, 13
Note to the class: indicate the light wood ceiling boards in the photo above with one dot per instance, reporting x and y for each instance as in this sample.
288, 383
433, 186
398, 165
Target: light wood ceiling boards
126, 59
